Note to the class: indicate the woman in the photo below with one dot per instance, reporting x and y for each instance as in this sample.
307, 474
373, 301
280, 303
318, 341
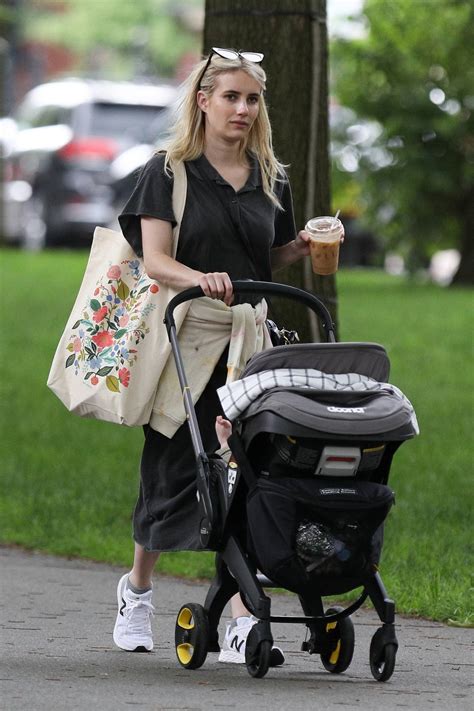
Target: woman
238, 224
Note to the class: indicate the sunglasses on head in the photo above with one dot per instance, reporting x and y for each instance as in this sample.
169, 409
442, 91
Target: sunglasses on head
255, 57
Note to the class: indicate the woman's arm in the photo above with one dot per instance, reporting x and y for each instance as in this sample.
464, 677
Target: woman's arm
157, 236
293, 251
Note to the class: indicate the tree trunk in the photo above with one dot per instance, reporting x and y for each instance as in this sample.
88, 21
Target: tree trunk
465, 273
293, 37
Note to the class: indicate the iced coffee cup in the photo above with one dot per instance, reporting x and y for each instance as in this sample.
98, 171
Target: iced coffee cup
326, 233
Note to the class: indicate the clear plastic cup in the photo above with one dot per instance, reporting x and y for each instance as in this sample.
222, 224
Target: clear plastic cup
326, 233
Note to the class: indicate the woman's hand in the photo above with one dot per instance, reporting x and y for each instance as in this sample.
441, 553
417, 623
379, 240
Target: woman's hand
301, 244
217, 285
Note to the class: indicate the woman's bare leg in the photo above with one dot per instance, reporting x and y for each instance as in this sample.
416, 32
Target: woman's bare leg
143, 566
141, 574
237, 607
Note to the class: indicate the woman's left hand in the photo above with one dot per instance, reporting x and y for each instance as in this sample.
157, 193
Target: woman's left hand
292, 251
302, 243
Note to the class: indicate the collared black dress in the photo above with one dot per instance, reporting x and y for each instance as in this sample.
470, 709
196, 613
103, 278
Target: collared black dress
221, 231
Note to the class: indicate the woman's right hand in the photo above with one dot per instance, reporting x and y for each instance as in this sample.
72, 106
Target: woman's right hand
217, 285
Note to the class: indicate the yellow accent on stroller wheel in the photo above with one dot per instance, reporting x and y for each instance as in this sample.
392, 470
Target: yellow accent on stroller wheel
185, 618
185, 653
335, 654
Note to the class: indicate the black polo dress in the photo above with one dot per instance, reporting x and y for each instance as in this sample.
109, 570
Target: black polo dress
221, 230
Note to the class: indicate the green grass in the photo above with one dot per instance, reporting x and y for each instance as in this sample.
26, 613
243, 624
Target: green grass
427, 332
69, 485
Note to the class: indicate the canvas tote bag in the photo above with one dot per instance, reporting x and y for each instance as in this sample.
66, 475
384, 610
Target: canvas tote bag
114, 346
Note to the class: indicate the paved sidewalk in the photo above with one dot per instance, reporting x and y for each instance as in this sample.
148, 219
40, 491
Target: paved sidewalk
56, 652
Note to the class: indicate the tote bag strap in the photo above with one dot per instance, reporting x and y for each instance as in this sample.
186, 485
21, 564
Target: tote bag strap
180, 185
179, 189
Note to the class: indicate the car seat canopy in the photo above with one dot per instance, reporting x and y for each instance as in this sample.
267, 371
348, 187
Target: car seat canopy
369, 359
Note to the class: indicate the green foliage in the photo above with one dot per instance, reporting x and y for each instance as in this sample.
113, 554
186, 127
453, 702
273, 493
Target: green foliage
152, 30
69, 485
413, 73
7, 15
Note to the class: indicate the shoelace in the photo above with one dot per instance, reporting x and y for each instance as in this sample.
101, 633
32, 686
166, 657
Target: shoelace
139, 614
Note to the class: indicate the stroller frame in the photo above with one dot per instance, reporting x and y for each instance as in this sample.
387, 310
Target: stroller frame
331, 632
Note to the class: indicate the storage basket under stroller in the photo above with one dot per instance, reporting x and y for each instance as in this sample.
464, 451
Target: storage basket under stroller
315, 428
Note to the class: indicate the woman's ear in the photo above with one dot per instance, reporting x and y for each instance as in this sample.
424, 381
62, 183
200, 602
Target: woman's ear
202, 101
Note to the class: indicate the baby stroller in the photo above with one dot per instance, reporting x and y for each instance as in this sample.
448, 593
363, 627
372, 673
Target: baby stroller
303, 505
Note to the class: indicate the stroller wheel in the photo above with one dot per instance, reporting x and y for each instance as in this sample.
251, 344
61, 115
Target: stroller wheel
257, 654
191, 636
341, 637
382, 656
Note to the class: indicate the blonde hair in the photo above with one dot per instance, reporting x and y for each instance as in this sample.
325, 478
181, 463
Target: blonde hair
187, 139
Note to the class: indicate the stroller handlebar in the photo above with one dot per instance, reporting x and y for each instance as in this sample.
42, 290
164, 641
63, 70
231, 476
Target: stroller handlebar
260, 287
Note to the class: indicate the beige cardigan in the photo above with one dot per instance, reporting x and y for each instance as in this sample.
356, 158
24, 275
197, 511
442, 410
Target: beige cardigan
208, 327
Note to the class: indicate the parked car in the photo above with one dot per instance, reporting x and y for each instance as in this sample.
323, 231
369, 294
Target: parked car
70, 132
126, 167
13, 193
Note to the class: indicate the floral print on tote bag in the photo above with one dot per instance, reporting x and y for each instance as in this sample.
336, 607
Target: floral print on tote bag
103, 343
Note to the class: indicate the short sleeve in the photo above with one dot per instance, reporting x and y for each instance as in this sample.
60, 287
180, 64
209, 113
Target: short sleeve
285, 228
152, 196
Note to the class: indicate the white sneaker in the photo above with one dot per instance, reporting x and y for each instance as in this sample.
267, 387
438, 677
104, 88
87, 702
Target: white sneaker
233, 647
132, 631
